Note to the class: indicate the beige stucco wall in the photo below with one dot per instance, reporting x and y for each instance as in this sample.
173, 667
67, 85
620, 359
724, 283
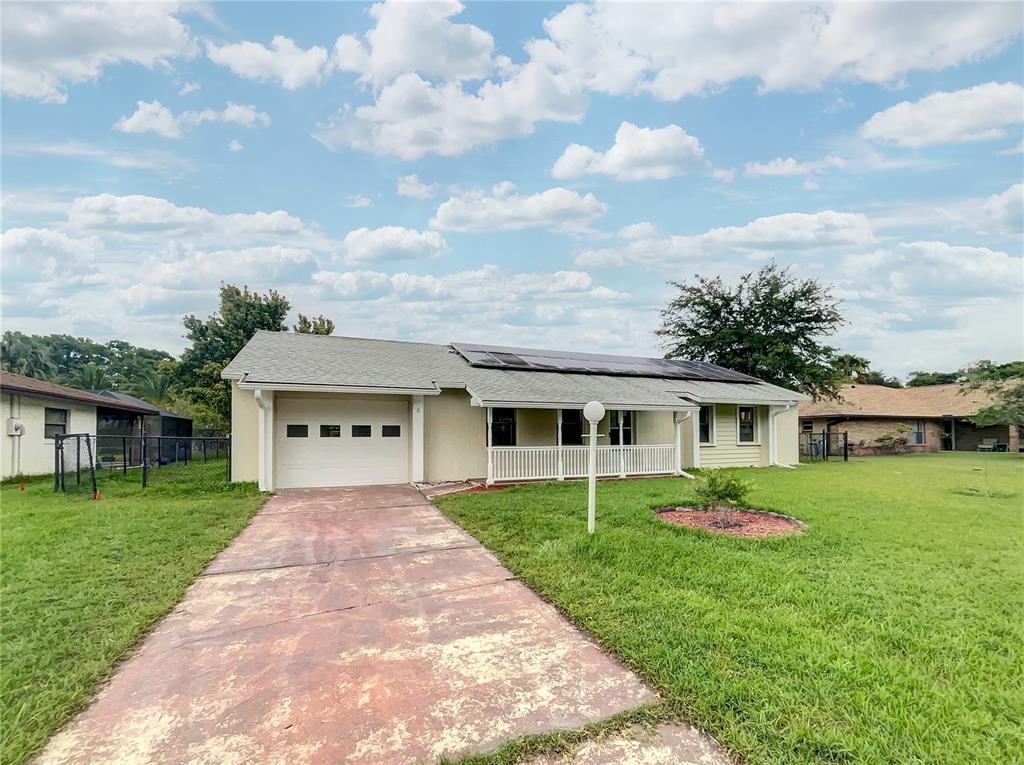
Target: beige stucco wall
32, 454
244, 435
454, 437
536, 427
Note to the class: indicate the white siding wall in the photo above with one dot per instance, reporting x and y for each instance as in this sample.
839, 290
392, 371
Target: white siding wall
726, 452
32, 454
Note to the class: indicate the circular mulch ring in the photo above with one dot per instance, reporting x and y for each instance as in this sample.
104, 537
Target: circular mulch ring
748, 523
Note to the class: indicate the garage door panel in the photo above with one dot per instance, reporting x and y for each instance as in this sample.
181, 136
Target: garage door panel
344, 459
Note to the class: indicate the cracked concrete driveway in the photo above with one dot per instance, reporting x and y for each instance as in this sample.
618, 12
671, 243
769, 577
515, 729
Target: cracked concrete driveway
348, 625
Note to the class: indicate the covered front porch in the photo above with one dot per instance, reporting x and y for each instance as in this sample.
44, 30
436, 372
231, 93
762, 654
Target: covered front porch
548, 443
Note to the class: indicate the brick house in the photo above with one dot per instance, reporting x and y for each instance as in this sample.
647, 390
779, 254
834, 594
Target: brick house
935, 415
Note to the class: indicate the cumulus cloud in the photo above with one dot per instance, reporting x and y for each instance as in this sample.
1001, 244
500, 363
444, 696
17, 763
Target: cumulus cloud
412, 186
188, 88
359, 201
787, 232
979, 113
49, 46
283, 62
366, 245
644, 230
926, 269
1001, 213
671, 51
416, 37
503, 209
637, 154
30, 253
412, 117
790, 166
153, 117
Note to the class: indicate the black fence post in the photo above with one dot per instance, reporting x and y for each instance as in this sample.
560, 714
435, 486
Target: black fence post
824, 445
124, 455
78, 460
145, 462
92, 464
846, 446
56, 463
204, 451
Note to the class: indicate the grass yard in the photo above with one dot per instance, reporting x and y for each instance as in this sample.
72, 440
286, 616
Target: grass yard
892, 632
82, 580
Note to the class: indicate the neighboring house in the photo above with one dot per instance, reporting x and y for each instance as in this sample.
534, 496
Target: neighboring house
162, 423
35, 411
313, 410
935, 416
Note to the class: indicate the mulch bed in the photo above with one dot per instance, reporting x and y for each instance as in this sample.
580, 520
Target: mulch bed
749, 523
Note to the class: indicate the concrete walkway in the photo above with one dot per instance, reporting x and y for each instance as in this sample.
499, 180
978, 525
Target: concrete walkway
348, 625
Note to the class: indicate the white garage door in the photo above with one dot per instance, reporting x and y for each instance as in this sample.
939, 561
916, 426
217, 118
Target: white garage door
340, 442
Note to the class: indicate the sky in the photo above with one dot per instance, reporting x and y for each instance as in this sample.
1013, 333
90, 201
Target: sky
526, 174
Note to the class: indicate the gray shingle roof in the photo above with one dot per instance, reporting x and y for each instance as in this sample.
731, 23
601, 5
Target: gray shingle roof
285, 358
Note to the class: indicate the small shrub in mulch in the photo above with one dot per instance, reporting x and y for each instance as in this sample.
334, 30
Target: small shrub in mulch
732, 521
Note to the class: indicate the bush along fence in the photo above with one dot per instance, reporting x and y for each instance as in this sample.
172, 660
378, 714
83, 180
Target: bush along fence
826, 445
83, 462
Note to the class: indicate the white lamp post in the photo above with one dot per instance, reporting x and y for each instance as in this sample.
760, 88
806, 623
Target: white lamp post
593, 411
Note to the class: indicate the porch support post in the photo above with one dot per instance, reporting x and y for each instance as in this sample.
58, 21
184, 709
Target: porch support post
558, 434
417, 440
265, 470
772, 440
490, 450
678, 418
695, 429
622, 446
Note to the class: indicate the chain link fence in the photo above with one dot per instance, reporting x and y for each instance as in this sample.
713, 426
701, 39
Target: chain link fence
825, 445
85, 463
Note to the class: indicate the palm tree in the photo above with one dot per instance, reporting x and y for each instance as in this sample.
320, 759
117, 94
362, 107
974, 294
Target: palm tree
92, 376
154, 387
852, 366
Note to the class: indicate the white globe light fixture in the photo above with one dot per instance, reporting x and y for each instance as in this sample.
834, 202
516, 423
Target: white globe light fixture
594, 412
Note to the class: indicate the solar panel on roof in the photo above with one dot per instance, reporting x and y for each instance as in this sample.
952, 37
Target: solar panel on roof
497, 357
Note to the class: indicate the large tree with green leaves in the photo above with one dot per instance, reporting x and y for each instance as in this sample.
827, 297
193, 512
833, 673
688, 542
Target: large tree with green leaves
1005, 384
314, 325
770, 325
215, 341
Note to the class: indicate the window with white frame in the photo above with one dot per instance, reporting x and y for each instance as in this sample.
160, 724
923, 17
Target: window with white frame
807, 426
746, 425
620, 429
503, 427
707, 424
55, 422
916, 433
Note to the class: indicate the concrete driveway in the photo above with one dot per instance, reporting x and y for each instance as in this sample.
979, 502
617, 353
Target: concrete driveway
348, 625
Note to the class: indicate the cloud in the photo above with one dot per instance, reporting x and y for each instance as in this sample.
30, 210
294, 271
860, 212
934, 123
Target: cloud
412, 117
638, 154
138, 217
412, 186
416, 37
979, 113
189, 87
643, 230
671, 51
359, 201
185, 268
162, 162
235, 145
283, 62
503, 209
365, 245
1016, 149
929, 269
1001, 213
32, 253
789, 166
795, 232
50, 46
153, 117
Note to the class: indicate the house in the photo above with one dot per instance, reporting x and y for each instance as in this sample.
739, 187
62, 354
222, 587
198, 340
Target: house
314, 410
35, 411
935, 417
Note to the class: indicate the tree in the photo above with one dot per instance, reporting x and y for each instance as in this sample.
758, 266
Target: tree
214, 342
22, 355
919, 379
154, 386
1005, 384
318, 325
92, 376
852, 366
770, 325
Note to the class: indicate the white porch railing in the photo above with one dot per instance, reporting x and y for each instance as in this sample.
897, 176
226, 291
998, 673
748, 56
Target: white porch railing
527, 463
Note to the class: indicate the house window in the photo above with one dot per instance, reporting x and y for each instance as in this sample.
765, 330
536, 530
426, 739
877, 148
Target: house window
297, 431
916, 433
330, 431
807, 426
391, 431
361, 431
707, 424
572, 427
620, 430
503, 427
746, 432
55, 422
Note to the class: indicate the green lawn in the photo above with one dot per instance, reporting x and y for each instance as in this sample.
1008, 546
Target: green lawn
892, 632
82, 580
